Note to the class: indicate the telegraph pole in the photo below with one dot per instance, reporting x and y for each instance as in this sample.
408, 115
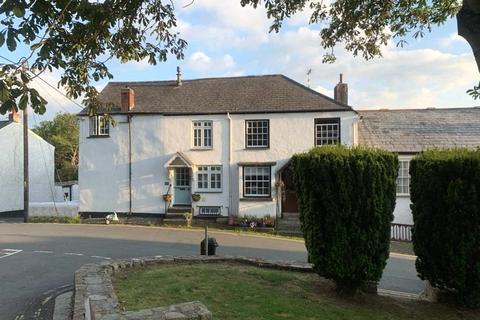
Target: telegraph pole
25, 161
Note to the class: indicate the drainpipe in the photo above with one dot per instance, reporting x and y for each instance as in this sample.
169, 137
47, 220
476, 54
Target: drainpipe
230, 196
129, 119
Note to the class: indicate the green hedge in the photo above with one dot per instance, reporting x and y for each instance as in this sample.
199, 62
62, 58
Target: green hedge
346, 202
445, 194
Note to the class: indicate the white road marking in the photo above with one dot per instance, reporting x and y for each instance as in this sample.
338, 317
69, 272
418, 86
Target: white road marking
403, 256
9, 252
42, 251
73, 254
101, 257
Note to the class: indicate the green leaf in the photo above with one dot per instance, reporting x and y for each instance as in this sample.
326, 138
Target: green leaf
23, 102
11, 42
2, 39
18, 11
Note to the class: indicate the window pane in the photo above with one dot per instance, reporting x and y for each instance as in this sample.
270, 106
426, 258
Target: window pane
257, 133
327, 131
202, 133
403, 179
257, 181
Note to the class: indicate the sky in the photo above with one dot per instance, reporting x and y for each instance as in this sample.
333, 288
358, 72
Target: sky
225, 39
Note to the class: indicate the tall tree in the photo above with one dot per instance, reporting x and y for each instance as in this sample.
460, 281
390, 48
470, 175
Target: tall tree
78, 37
62, 133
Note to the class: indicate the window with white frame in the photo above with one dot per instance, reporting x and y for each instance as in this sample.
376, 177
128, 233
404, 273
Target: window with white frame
99, 126
327, 131
202, 134
257, 133
209, 211
403, 178
256, 181
209, 178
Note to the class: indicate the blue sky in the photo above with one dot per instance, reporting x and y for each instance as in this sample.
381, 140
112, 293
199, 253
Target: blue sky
228, 40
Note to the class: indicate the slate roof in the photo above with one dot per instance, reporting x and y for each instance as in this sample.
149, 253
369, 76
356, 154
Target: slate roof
411, 131
249, 94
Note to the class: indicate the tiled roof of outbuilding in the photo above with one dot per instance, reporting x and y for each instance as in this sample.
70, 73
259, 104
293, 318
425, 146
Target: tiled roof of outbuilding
411, 131
249, 94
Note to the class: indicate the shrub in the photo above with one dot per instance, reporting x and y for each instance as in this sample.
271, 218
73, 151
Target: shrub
346, 200
445, 194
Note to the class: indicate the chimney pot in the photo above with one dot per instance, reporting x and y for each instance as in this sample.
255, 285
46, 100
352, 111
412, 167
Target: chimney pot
13, 116
127, 99
179, 76
341, 91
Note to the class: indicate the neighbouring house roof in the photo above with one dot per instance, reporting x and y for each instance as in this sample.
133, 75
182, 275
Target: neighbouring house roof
249, 94
4, 124
411, 131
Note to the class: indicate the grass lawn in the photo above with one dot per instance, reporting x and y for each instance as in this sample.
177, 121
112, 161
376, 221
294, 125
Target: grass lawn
234, 291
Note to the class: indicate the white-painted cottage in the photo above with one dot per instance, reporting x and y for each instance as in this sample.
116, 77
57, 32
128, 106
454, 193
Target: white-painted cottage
228, 140
41, 167
410, 131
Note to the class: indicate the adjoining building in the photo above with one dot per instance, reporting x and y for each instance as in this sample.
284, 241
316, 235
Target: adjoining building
410, 131
41, 167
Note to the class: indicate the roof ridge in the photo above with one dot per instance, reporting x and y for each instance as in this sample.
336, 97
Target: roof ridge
198, 79
316, 92
419, 109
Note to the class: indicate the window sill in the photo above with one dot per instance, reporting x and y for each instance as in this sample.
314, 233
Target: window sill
201, 149
256, 148
403, 195
209, 191
98, 136
259, 199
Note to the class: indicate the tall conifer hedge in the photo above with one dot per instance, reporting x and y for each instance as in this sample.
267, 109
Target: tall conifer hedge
445, 194
346, 202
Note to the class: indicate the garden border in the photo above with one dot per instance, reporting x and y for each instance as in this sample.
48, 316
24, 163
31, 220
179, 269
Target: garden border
95, 298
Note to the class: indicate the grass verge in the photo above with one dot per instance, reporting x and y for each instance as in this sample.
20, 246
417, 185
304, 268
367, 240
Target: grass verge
234, 292
55, 219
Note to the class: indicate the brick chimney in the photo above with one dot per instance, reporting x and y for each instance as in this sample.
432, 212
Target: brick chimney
14, 116
128, 99
341, 91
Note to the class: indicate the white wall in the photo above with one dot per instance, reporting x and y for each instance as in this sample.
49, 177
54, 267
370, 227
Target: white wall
290, 133
103, 168
403, 213
41, 168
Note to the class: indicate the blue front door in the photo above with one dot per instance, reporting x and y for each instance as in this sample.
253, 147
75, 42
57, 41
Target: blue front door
182, 190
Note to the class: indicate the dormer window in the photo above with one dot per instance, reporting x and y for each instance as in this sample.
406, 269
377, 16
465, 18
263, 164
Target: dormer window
99, 126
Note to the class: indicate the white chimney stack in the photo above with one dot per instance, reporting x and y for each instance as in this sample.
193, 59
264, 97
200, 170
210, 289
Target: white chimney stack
179, 76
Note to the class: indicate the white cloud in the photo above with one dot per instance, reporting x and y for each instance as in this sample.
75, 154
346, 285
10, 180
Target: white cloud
403, 78
451, 39
206, 65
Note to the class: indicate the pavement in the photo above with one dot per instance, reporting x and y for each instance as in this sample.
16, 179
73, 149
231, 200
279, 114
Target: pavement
37, 261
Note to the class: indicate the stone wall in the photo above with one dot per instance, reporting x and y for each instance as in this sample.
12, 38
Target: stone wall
94, 296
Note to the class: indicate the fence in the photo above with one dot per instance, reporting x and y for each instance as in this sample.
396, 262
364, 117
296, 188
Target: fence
401, 232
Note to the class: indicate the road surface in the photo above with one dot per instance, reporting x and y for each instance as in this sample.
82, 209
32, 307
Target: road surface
37, 261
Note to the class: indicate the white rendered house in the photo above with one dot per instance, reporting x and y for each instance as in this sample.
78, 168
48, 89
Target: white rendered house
41, 167
227, 139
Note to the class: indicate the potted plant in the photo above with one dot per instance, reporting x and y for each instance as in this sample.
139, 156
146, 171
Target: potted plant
167, 197
196, 197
